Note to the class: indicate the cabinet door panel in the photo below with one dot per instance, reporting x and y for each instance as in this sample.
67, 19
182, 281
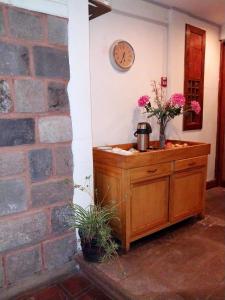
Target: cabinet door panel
149, 204
187, 193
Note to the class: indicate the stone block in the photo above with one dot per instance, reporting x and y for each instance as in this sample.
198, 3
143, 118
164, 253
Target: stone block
1, 273
2, 27
64, 161
60, 251
40, 164
29, 96
60, 218
14, 60
13, 196
15, 132
11, 163
55, 129
24, 25
5, 97
57, 30
24, 230
23, 264
51, 62
57, 97
51, 192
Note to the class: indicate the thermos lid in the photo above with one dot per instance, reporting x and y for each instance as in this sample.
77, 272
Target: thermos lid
144, 127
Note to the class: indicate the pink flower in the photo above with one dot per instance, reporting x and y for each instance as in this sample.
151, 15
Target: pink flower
195, 107
143, 100
177, 100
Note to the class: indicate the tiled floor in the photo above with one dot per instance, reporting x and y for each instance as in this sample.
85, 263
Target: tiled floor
75, 287
185, 262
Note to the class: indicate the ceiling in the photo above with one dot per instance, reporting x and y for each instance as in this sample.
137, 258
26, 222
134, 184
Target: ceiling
210, 10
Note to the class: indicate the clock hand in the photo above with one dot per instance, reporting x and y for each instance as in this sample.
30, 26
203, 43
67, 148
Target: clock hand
123, 57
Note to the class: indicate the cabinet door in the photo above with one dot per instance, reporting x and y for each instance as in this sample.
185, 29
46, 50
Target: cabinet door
187, 192
149, 205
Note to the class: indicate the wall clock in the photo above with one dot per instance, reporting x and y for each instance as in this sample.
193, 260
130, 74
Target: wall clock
122, 55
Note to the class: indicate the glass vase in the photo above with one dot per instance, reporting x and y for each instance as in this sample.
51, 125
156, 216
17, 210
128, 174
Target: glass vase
162, 136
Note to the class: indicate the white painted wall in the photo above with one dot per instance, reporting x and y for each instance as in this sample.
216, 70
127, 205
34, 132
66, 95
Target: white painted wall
79, 95
141, 9
114, 93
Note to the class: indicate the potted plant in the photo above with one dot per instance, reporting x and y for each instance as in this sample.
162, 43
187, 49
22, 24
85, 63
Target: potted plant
93, 224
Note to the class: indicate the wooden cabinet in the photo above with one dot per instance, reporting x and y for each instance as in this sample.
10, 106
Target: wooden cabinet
151, 190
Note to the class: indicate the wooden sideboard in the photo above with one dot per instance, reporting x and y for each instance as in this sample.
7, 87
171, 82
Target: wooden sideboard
151, 190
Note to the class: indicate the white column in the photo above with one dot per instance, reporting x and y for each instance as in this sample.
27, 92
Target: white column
79, 94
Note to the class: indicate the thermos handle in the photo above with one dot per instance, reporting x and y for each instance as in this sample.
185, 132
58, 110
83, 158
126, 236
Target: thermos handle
135, 134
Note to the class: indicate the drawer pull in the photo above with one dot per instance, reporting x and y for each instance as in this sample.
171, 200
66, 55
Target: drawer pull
192, 164
152, 171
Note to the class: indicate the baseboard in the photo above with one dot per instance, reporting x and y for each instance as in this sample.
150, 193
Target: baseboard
223, 183
211, 184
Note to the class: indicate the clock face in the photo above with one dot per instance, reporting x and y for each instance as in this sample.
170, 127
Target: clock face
123, 55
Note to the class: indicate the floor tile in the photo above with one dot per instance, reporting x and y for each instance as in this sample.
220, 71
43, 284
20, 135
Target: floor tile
76, 285
93, 294
141, 284
51, 293
218, 293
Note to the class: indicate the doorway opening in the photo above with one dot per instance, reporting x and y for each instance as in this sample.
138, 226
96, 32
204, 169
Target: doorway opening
220, 161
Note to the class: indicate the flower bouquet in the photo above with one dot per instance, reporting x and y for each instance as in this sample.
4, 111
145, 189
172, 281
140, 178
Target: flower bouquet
165, 109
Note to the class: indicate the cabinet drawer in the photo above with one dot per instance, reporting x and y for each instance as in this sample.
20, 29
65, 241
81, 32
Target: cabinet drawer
152, 171
190, 163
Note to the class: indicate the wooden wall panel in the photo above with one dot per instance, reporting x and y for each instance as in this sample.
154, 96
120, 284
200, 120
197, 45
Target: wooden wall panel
194, 74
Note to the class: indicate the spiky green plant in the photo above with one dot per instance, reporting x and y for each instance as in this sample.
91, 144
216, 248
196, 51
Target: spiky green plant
93, 223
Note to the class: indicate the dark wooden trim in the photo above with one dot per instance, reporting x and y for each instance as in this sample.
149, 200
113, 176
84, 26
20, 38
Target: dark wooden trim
220, 121
211, 184
97, 8
197, 123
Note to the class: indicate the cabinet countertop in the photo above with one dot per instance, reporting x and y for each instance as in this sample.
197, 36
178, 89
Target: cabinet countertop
139, 159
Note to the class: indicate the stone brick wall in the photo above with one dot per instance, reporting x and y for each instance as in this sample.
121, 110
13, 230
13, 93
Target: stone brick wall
35, 146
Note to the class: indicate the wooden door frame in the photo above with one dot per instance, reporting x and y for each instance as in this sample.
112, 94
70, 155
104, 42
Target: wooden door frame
221, 120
